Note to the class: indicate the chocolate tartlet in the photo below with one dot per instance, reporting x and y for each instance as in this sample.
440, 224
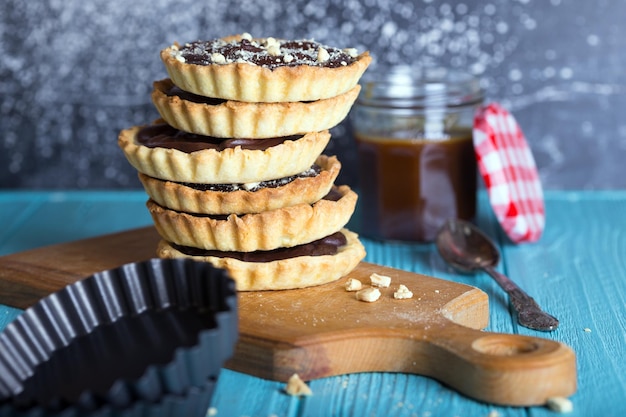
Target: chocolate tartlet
306, 187
280, 228
164, 152
282, 269
264, 70
238, 119
235, 170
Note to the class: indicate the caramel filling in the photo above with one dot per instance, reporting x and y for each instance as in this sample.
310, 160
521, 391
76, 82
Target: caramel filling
328, 245
163, 135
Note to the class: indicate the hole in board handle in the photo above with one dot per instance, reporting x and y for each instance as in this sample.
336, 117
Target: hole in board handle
505, 345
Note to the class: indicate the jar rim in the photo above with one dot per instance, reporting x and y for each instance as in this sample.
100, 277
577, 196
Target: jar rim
404, 86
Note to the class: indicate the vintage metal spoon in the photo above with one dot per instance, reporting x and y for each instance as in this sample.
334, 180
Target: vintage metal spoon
466, 248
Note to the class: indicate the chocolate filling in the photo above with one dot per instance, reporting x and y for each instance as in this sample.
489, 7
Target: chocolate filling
309, 173
328, 245
163, 135
301, 52
175, 91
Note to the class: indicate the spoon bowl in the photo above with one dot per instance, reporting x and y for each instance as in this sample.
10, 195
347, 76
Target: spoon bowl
463, 246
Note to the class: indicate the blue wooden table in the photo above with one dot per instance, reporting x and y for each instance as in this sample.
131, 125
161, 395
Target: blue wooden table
577, 271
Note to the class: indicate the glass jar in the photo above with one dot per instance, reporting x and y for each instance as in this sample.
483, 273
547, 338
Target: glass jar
417, 168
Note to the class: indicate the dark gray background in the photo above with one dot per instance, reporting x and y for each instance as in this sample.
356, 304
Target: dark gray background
73, 73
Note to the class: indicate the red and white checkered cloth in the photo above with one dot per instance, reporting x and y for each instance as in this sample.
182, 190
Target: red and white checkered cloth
510, 174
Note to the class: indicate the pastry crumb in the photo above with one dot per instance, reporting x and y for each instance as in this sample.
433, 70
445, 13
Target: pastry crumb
402, 293
353, 285
368, 295
560, 404
297, 387
587, 330
381, 281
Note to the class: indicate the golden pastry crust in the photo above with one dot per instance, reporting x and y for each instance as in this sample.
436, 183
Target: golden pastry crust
281, 228
300, 191
298, 272
243, 81
230, 166
237, 119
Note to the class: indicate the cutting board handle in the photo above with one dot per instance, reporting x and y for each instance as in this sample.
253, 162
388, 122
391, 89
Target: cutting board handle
501, 368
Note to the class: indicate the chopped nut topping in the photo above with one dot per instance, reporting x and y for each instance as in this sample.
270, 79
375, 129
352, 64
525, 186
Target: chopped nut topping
297, 387
353, 285
381, 281
402, 293
264, 52
369, 295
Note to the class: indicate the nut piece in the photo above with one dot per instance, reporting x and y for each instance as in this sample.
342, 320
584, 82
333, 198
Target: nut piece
351, 52
560, 404
353, 285
322, 55
218, 58
273, 50
369, 295
381, 281
402, 293
297, 387
273, 46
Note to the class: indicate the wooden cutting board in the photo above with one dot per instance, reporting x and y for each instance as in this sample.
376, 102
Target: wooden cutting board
324, 331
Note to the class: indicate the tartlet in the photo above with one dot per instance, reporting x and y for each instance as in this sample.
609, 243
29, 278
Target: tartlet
268, 230
283, 274
230, 165
268, 70
191, 198
238, 119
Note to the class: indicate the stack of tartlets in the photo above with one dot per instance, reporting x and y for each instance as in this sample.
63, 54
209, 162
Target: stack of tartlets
235, 170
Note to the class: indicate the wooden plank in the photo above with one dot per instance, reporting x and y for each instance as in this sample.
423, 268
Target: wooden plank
578, 271
324, 331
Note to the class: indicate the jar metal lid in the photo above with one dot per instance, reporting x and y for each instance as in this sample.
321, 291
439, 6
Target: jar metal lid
417, 87
508, 169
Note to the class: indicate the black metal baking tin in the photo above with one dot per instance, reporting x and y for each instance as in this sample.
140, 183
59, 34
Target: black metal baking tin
193, 403
173, 322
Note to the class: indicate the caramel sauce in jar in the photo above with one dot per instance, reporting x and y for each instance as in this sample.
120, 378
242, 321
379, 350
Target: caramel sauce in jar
417, 166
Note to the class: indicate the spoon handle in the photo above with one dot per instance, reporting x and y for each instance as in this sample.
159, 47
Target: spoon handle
529, 314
